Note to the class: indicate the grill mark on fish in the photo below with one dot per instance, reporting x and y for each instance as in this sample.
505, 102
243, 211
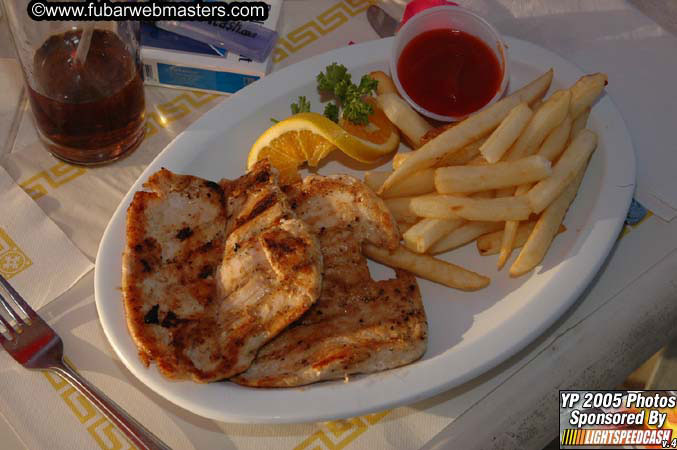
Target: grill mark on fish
151, 316
259, 208
170, 320
146, 266
285, 246
206, 271
214, 186
184, 233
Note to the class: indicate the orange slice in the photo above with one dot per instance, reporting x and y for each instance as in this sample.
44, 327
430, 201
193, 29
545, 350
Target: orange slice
310, 137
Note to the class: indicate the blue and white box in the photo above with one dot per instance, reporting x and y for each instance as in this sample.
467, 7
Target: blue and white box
175, 61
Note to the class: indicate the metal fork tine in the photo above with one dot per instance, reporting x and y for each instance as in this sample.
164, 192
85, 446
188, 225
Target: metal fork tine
9, 328
11, 311
40, 347
18, 299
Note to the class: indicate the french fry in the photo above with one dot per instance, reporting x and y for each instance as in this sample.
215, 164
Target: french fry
490, 244
507, 133
551, 148
508, 242
456, 158
556, 141
399, 158
375, 179
385, 83
426, 232
478, 161
580, 123
469, 130
436, 131
419, 183
549, 115
468, 232
533, 92
405, 226
463, 156
585, 91
505, 192
546, 228
482, 194
481, 209
490, 176
573, 158
401, 209
432, 206
425, 266
409, 122
510, 231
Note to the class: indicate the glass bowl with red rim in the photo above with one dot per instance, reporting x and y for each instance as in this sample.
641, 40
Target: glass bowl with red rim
448, 62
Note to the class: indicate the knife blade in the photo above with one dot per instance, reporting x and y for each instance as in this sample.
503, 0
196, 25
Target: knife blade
384, 24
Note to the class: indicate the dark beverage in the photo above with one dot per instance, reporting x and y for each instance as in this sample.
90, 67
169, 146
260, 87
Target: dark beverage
92, 112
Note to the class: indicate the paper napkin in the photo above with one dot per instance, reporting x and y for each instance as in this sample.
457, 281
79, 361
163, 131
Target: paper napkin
35, 255
81, 200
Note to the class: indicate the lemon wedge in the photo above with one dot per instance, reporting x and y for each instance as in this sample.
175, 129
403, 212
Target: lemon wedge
310, 137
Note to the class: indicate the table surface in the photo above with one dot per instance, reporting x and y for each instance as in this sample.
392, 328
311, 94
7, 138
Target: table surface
625, 316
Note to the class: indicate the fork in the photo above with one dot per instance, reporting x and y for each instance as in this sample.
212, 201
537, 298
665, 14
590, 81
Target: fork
35, 345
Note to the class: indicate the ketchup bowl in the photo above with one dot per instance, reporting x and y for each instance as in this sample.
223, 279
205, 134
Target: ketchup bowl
448, 62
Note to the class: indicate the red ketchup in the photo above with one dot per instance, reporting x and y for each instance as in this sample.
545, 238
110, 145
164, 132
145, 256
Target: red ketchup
449, 72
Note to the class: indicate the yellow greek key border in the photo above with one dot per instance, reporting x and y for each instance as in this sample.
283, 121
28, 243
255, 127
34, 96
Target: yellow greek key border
340, 433
13, 260
104, 433
59, 174
309, 32
335, 435
164, 114
175, 109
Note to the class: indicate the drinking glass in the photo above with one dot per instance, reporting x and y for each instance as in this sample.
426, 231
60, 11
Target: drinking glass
88, 102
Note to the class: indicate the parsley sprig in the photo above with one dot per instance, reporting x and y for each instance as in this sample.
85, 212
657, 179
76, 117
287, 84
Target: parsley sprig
348, 97
331, 111
337, 81
303, 105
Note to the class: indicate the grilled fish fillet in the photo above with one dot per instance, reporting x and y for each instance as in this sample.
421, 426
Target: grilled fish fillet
271, 272
208, 302
175, 238
358, 325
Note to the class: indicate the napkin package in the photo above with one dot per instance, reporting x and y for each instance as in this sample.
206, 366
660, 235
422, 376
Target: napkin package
175, 61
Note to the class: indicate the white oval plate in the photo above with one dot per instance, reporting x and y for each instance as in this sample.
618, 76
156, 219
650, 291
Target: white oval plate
469, 333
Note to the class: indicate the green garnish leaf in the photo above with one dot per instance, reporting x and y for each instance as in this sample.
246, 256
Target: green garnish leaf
336, 80
274, 120
357, 111
367, 85
343, 90
331, 112
336, 73
303, 105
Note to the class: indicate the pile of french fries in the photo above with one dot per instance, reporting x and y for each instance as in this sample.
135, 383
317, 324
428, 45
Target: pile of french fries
503, 177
